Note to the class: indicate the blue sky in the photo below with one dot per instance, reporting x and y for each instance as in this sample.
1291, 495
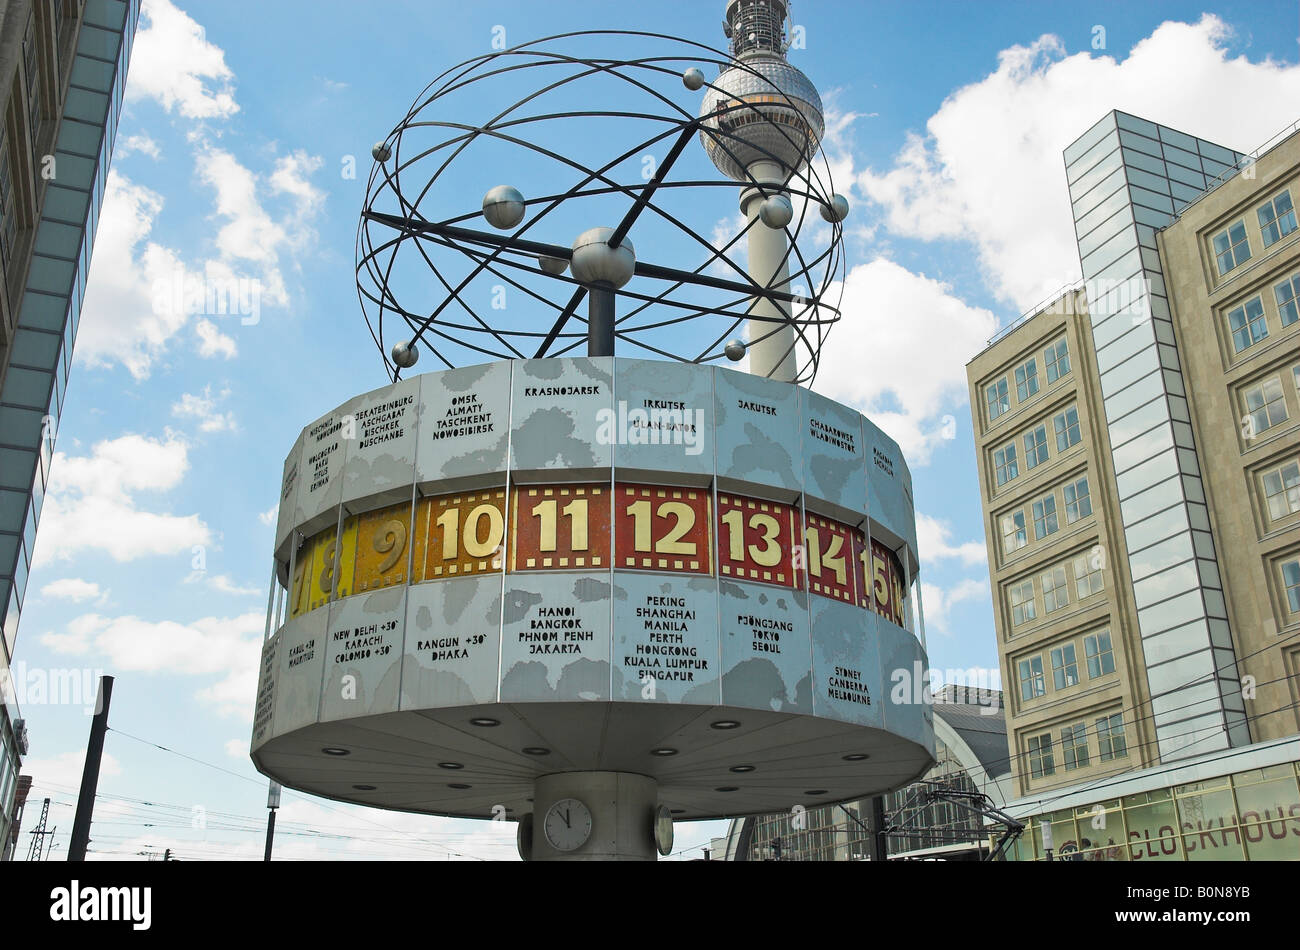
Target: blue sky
947, 122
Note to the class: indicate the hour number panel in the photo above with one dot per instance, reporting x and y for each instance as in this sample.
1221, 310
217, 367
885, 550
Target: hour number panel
461, 534
756, 541
662, 529
828, 558
322, 566
880, 579
383, 539
556, 528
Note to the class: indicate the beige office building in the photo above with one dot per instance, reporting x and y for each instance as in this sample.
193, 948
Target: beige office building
1138, 445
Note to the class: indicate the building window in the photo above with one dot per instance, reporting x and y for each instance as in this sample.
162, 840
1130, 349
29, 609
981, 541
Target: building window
1087, 575
1078, 503
1074, 746
1286, 294
998, 399
1035, 447
1057, 358
1026, 380
1065, 671
1067, 428
1014, 536
8, 217
1040, 756
1247, 324
1096, 648
1045, 522
1265, 406
1022, 602
1055, 593
1032, 682
1282, 490
1276, 218
1110, 737
1004, 460
32, 73
1291, 580
1231, 248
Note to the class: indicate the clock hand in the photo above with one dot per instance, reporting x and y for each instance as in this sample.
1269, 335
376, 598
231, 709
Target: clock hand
567, 823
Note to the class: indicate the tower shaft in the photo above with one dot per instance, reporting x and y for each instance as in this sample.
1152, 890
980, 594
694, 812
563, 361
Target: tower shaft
771, 337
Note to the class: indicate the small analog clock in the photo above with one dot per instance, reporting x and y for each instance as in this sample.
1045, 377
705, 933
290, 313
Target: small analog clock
567, 824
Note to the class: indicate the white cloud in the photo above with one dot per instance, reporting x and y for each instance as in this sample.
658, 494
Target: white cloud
938, 602
237, 748
268, 517
212, 342
173, 63
143, 295
933, 542
203, 408
989, 168
137, 143
899, 353
72, 588
292, 176
226, 646
125, 320
222, 584
249, 233
101, 489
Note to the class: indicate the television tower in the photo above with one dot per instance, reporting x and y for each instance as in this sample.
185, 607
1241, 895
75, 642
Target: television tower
763, 122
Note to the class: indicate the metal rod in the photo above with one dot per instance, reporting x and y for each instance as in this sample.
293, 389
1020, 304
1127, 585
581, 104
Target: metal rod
539, 248
563, 318
620, 232
90, 773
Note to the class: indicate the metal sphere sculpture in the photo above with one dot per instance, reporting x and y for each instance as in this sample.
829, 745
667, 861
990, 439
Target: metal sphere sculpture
482, 234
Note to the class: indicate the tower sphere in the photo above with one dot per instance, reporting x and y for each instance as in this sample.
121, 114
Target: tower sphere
594, 261
503, 207
762, 109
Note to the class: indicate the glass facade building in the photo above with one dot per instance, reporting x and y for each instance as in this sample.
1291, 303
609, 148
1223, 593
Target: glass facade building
63, 101
1128, 178
973, 759
1247, 815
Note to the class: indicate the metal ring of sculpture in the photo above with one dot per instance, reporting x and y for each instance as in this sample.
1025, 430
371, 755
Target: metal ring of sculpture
429, 276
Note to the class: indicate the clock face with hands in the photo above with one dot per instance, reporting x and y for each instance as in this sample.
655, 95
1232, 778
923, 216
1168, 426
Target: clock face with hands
567, 824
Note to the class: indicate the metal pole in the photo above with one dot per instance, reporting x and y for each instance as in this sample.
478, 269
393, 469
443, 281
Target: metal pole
272, 803
600, 319
880, 841
270, 835
90, 773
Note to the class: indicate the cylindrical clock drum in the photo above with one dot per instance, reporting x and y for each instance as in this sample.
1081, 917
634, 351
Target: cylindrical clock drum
633, 585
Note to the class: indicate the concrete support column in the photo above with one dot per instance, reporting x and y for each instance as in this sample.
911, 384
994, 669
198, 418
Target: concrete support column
771, 345
622, 807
